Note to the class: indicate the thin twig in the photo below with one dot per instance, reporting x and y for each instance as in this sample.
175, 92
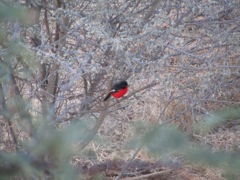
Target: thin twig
5, 113
47, 23
130, 160
97, 125
185, 52
135, 92
123, 99
152, 175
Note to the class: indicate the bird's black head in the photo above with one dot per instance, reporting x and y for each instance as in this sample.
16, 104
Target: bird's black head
123, 83
120, 85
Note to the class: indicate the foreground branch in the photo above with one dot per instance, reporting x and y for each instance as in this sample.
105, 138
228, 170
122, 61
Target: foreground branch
152, 175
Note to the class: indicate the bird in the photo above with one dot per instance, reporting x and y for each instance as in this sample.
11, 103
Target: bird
118, 90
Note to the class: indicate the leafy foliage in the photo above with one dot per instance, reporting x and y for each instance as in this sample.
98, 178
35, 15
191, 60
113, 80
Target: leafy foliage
48, 151
162, 141
216, 119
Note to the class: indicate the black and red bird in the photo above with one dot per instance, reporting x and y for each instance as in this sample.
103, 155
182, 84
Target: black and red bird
118, 90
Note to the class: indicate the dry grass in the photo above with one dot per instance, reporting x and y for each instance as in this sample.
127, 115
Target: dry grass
223, 139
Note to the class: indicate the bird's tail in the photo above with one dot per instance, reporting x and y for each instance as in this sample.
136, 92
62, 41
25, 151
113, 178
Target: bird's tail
107, 97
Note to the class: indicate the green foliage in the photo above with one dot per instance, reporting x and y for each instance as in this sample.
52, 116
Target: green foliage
12, 164
49, 151
3, 36
15, 61
9, 13
15, 58
166, 140
214, 120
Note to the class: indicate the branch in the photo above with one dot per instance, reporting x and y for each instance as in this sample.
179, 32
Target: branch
6, 114
10, 165
130, 160
151, 11
152, 175
113, 104
46, 23
185, 52
94, 130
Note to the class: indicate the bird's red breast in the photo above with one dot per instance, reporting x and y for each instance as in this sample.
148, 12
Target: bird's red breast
120, 93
